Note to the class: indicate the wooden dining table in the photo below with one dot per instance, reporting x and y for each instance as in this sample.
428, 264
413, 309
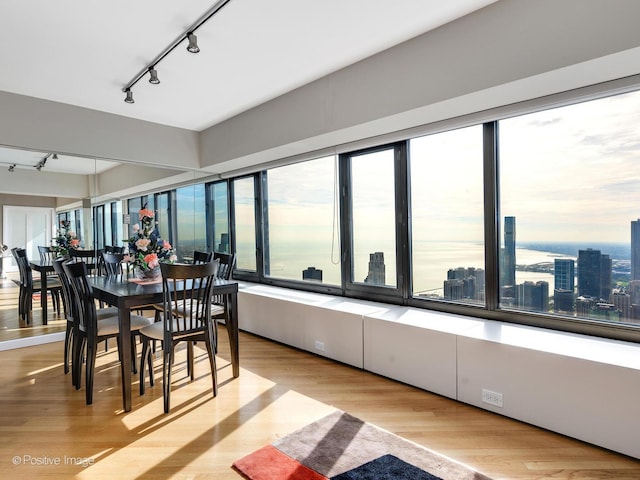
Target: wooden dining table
127, 293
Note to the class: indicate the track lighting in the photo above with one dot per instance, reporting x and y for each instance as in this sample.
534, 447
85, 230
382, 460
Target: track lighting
193, 43
153, 76
129, 97
192, 47
12, 167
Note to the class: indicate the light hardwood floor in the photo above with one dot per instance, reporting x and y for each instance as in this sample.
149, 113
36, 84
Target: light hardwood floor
43, 419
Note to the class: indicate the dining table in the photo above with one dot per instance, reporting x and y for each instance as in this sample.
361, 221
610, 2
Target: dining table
127, 293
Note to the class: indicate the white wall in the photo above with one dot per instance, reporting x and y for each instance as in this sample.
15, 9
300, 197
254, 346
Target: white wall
510, 51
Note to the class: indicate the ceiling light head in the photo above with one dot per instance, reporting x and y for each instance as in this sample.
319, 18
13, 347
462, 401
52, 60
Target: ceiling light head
129, 97
12, 167
193, 43
55, 156
153, 76
39, 166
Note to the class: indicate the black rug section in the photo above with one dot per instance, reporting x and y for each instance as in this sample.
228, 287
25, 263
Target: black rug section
387, 467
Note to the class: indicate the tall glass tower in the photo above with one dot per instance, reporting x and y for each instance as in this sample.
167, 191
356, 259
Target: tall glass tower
635, 249
508, 273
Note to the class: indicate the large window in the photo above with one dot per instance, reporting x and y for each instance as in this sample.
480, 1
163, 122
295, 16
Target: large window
569, 182
303, 222
244, 200
447, 217
373, 217
191, 217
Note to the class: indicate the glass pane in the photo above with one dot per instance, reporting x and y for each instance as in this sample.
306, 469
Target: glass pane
569, 182
245, 220
302, 203
373, 203
447, 219
220, 221
191, 219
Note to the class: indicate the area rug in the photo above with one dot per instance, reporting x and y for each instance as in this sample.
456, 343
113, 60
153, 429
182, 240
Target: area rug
343, 447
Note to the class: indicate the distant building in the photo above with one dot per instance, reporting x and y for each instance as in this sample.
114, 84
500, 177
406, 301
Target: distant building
376, 275
635, 250
622, 301
594, 274
508, 270
223, 246
464, 283
312, 273
564, 274
563, 301
533, 296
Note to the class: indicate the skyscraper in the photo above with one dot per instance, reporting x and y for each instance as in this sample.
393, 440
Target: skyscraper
312, 273
508, 272
376, 275
594, 274
564, 274
635, 249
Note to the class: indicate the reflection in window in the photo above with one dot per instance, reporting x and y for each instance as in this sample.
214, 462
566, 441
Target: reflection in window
245, 223
447, 220
218, 217
302, 229
569, 201
190, 217
373, 212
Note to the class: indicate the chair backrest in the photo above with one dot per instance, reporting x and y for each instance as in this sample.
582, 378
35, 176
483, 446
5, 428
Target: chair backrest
67, 294
91, 257
187, 290
113, 249
227, 264
46, 254
24, 269
202, 257
81, 297
112, 263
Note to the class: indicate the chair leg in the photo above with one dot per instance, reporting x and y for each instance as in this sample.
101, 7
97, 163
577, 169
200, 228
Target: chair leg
68, 341
190, 360
167, 360
134, 354
90, 371
145, 357
76, 365
210, 343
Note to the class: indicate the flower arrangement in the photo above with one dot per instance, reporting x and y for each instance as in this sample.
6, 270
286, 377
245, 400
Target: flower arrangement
65, 239
146, 248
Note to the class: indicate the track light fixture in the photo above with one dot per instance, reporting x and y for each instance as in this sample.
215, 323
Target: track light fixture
193, 43
129, 97
54, 156
192, 47
12, 167
153, 76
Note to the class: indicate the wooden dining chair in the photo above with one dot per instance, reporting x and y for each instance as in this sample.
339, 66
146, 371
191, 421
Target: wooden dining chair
90, 257
112, 263
30, 286
186, 317
91, 331
220, 308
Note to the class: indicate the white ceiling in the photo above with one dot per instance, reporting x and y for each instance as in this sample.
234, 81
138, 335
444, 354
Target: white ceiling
82, 52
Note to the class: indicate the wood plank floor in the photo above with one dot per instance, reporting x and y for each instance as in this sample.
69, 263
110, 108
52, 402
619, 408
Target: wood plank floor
43, 419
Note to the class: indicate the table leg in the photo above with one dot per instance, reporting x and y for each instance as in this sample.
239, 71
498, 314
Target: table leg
124, 320
43, 296
233, 333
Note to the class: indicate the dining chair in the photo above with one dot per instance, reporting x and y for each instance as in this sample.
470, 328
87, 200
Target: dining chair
47, 255
112, 263
29, 286
186, 317
220, 308
91, 331
90, 257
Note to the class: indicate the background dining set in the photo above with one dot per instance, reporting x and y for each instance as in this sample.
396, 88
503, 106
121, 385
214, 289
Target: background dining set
93, 290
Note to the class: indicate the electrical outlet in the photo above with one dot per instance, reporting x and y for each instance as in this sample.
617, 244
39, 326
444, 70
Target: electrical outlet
492, 398
319, 345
